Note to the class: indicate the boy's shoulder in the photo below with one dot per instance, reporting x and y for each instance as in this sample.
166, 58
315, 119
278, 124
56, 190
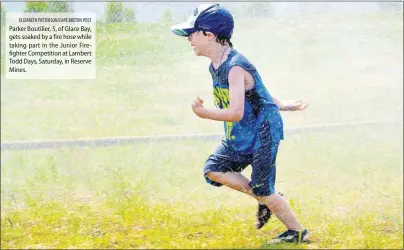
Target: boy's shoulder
236, 56
238, 59
235, 59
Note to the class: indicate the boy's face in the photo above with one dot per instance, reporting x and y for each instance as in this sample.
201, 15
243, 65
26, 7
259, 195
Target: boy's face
199, 42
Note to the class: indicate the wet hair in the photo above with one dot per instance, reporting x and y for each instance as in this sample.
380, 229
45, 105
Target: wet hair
222, 40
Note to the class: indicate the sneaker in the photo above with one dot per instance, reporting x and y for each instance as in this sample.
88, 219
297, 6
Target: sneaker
291, 236
263, 215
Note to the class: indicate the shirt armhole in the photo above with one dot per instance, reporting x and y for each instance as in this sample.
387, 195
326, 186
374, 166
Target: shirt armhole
246, 68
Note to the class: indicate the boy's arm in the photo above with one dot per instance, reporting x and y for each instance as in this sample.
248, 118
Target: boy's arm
235, 111
291, 105
278, 103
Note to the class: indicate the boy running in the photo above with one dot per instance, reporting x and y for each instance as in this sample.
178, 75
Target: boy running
252, 122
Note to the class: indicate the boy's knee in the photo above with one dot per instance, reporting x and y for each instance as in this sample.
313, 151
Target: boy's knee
274, 201
214, 176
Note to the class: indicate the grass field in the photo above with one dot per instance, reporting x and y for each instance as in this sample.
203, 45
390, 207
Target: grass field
345, 186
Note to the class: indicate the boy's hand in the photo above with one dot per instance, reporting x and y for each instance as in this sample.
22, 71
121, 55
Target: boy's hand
198, 108
296, 105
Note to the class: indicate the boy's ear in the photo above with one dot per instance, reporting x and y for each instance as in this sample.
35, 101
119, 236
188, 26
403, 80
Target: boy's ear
210, 35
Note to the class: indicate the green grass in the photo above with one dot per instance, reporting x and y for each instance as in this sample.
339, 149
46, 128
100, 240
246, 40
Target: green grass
349, 67
346, 187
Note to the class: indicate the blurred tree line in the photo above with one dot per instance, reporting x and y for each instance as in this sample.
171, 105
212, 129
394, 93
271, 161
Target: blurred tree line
115, 12
47, 6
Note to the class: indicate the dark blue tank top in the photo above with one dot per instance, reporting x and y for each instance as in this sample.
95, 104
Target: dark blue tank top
243, 136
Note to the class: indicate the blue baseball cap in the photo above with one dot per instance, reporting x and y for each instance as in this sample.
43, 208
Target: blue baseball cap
207, 17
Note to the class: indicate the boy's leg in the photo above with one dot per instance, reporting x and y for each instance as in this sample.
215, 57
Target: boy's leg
239, 182
281, 208
223, 168
234, 180
278, 205
263, 187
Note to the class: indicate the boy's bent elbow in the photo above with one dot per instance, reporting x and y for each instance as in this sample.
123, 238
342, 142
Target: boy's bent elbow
238, 115
235, 115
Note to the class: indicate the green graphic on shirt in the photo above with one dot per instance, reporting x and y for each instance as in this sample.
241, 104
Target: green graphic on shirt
222, 100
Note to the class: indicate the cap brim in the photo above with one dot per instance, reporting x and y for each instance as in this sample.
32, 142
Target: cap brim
183, 29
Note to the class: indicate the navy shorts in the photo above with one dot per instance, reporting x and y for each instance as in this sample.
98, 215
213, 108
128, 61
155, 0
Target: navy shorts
262, 161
